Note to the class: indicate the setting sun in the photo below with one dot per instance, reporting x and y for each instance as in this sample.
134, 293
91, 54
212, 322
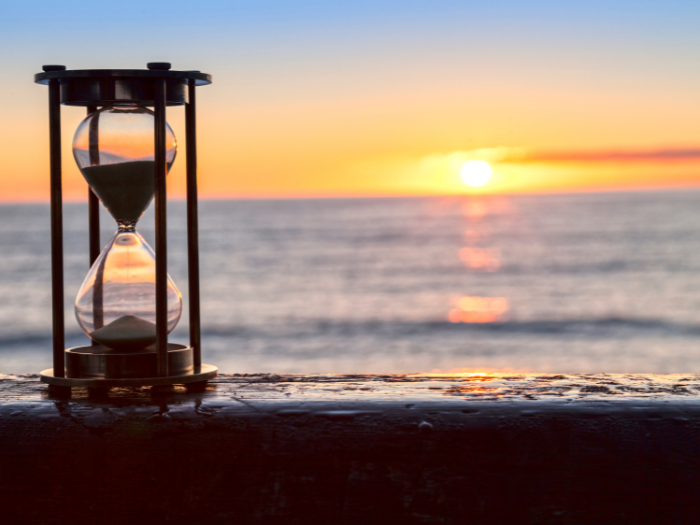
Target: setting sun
476, 173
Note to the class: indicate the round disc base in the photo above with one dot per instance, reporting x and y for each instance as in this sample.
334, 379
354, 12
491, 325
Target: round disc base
100, 362
203, 373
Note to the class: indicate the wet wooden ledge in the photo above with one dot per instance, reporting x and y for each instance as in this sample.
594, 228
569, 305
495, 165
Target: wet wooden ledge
469, 448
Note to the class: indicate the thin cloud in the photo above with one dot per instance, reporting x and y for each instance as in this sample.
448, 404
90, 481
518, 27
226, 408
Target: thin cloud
665, 154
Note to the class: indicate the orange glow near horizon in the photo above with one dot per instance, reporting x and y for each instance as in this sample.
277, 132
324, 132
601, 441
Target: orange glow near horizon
265, 156
380, 179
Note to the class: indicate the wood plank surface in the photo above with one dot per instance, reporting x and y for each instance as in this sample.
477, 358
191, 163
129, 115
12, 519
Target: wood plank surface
354, 449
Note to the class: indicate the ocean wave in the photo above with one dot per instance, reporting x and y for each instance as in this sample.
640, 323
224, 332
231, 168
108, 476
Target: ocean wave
602, 327
609, 327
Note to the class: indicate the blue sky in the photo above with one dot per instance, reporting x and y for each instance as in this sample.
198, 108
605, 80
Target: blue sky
206, 31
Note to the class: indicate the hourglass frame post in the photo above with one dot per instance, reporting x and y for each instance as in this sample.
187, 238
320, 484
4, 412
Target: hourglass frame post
93, 208
58, 314
193, 225
93, 201
161, 168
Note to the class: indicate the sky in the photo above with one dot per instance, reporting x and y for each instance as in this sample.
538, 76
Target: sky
373, 98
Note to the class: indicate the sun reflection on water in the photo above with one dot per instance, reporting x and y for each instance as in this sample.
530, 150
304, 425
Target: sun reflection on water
487, 259
472, 309
478, 256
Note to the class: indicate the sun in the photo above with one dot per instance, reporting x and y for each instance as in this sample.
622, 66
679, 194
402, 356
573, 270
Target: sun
476, 173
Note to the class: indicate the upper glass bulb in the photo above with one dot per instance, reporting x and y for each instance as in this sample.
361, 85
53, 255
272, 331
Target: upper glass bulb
114, 149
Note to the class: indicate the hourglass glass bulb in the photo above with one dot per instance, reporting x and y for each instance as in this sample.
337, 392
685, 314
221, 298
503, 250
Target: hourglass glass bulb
116, 305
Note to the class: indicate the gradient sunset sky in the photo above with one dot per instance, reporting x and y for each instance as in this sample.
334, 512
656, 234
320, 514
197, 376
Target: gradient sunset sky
368, 98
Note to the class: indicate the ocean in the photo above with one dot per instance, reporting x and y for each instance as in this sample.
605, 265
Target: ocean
588, 282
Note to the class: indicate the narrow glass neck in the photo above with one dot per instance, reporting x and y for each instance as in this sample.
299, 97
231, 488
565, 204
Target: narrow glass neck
126, 226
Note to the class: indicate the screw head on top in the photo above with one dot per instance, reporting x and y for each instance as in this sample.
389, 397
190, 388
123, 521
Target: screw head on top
159, 66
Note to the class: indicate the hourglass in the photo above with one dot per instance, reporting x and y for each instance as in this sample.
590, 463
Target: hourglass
127, 304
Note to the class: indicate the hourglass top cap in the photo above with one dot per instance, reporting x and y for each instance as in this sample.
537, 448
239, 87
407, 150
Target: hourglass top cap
96, 87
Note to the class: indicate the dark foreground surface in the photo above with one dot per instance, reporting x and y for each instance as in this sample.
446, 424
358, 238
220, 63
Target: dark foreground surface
483, 449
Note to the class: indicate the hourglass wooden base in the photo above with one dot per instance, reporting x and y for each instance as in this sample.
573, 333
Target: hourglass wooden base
101, 367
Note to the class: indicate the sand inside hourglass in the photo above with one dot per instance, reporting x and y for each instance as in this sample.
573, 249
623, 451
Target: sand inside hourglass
125, 189
126, 333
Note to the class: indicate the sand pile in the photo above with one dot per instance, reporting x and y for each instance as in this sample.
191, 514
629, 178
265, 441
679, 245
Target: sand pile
126, 333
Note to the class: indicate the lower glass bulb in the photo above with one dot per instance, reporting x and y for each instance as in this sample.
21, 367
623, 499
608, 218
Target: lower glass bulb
116, 305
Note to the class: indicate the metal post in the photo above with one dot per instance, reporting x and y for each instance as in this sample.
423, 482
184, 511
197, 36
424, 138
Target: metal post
94, 218
161, 171
56, 228
93, 201
193, 226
